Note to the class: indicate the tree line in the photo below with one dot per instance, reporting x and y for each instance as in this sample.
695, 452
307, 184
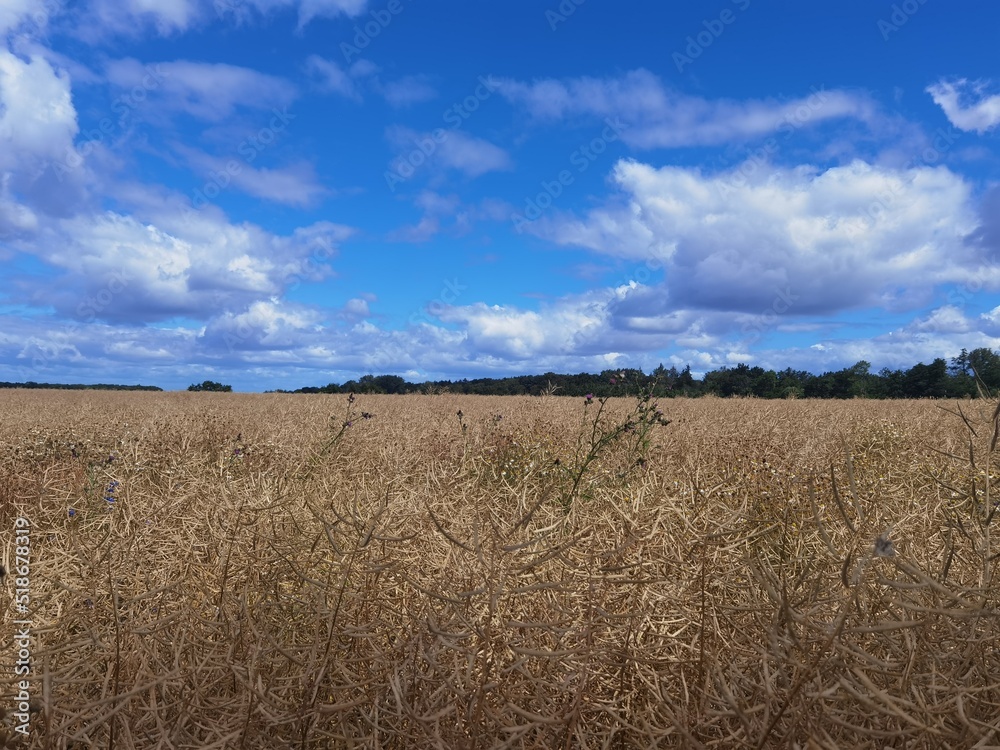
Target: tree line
81, 386
968, 374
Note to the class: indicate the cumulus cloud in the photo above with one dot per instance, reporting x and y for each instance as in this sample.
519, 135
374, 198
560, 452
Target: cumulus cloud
967, 105
114, 268
270, 325
38, 125
37, 117
575, 326
817, 240
658, 117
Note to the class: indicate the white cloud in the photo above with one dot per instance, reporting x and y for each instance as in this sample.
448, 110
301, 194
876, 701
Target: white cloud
37, 117
38, 123
945, 320
408, 90
447, 212
657, 117
332, 77
445, 149
967, 105
15, 218
208, 91
133, 17
168, 17
116, 268
308, 10
16, 13
355, 310
311, 9
266, 324
573, 327
472, 156
847, 237
292, 185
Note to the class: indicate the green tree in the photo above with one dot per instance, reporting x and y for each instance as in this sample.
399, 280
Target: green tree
986, 364
927, 381
211, 385
391, 384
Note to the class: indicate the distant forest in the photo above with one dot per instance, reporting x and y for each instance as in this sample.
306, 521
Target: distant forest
969, 374
81, 386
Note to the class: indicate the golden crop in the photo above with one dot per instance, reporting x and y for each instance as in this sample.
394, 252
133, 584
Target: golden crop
262, 575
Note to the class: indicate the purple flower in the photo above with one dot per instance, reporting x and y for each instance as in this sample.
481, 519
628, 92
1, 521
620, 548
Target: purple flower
589, 397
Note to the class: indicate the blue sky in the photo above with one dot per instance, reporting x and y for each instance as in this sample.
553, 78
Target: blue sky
278, 193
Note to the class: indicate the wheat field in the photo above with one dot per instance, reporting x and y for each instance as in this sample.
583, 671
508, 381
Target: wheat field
279, 571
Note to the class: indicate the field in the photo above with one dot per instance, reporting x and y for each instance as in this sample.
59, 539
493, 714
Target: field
250, 571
